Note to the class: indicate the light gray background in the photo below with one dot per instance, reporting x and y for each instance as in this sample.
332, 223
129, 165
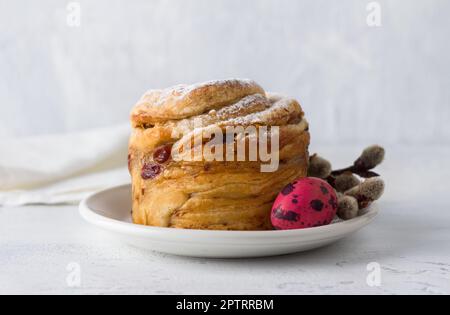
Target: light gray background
358, 84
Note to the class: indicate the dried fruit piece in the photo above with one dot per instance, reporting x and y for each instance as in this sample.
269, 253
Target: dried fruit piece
162, 153
150, 170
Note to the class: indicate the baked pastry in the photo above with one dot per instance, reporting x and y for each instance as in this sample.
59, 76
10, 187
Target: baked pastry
200, 193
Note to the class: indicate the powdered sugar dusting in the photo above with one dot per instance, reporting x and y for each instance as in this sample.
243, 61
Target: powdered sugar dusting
182, 90
244, 104
282, 106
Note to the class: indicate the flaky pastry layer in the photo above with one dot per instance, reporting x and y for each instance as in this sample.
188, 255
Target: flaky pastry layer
205, 194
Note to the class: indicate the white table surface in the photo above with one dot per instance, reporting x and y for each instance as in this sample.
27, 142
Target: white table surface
410, 240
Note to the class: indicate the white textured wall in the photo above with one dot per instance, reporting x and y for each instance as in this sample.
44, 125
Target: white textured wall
356, 83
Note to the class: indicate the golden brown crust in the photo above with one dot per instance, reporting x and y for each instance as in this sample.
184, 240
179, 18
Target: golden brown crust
184, 101
202, 194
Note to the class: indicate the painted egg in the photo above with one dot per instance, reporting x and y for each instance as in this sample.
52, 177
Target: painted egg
307, 202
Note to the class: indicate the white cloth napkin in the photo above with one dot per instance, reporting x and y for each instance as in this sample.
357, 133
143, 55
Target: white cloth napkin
62, 168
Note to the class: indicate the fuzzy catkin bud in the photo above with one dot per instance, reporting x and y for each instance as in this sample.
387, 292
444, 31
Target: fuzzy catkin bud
369, 190
345, 181
370, 157
347, 207
318, 167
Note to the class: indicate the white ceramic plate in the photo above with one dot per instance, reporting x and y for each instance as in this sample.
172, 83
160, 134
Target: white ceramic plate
111, 211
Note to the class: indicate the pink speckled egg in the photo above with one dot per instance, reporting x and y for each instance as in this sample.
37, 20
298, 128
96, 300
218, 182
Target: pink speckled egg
307, 202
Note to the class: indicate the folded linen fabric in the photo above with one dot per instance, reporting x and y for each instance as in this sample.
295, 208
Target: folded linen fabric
62, 168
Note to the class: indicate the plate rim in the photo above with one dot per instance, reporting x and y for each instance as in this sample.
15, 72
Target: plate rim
330, 230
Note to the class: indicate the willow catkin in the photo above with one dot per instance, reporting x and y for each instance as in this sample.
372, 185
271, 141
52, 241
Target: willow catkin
347, 207
369, 190
345, 181
318, 167
370, 157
